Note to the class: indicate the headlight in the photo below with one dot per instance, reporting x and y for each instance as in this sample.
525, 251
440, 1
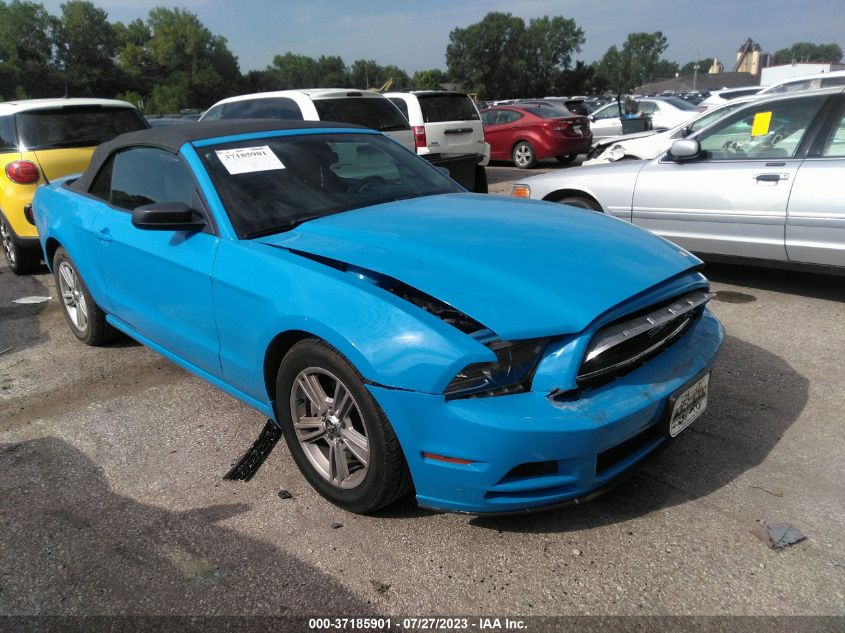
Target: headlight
616, 152
509, 373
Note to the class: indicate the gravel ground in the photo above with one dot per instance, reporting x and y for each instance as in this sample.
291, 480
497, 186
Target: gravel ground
113, 502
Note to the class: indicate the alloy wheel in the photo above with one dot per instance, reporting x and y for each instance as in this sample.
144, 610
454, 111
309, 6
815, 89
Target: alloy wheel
8, 244
329, 427
72, 296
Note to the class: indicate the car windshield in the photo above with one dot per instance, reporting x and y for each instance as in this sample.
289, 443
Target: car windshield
547, 111
377, 113
75, 126
437, 108
273, 184
703, 121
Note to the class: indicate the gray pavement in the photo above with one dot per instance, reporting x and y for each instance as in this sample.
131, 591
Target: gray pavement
113, 502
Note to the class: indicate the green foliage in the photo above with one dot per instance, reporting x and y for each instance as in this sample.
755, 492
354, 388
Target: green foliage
809, 52
27, 64
636, 64
428, 79
86, 48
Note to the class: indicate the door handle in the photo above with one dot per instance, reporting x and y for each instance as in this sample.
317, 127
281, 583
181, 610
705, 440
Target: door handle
771, 177
104, 234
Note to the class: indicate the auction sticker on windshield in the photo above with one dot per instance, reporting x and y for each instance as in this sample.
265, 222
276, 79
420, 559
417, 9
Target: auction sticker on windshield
246, 160
689, 405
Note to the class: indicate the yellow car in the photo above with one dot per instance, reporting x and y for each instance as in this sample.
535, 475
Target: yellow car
45, 139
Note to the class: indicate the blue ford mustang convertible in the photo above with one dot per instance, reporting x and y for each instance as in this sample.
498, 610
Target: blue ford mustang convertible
492, 354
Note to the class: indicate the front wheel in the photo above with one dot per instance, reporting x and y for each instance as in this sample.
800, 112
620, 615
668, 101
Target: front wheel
581, 202
22, 260
523, 155
338, 435
85, 318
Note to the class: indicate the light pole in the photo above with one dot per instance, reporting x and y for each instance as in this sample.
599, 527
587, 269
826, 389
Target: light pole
694, 75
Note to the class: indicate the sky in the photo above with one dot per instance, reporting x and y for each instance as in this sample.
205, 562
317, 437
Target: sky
414, 35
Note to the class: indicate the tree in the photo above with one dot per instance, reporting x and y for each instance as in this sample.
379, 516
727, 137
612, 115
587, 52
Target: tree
636, 64
809, 52
664, 69
86, 48
428, 79
292, 71
488, 56
549, 45
27, 44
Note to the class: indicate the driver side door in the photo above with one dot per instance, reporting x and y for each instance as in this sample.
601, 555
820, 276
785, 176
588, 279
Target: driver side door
732, 199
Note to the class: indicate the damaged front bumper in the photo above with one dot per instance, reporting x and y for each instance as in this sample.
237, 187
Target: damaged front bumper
527, 451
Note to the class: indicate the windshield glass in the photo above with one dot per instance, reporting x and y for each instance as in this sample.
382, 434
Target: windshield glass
271, 185
702, 122
679, 103
74, 126
437, 108
547, 111
376, 113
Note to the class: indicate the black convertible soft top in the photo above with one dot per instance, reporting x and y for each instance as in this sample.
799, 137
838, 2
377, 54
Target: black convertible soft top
172, 137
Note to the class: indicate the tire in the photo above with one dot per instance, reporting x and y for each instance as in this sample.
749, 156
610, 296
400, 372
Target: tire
565, 159
85, 318
480, 179
352, 458
582, 202
22, 260
523, 155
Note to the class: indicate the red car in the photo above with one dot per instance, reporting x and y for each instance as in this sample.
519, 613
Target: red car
528, 133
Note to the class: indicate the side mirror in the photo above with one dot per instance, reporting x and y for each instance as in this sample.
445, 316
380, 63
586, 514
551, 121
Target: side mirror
592, 118
684, 149
167, 216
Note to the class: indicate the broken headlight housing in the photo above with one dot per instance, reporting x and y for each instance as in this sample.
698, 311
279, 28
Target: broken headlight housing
511, 372
616, 152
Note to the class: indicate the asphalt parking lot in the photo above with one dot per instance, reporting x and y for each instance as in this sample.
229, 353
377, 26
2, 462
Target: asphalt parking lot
113, 502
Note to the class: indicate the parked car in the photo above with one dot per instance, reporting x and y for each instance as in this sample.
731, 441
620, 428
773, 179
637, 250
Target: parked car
360, 107
650, 144
759, 184
526, 134
720, 97
42, 140
402, 332
664, 112
447, 130
807, 82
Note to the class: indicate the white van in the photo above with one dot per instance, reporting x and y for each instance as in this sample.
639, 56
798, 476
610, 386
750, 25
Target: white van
807, 82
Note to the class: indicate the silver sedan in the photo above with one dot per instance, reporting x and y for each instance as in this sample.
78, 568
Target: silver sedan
763, 183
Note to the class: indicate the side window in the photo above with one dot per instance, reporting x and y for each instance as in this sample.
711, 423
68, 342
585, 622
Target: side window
766, 131
510, 116
214, 114
8, 138
836, 144
101, 187
833, 81
146, 175
400, 103
489, 117
649, 107
610, 112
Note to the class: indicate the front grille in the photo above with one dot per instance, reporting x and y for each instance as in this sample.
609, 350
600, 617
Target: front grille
619, 347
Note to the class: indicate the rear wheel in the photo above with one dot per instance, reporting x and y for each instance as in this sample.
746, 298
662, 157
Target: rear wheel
523, 155
582, 202
22, 260
85, 318
566, 158
338, 435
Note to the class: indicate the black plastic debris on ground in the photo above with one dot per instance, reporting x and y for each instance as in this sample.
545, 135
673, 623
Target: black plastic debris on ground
780, 535
249, 464
284, 494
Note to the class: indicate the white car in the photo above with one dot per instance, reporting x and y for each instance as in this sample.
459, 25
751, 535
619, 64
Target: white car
648, 145
361, 107
665, 113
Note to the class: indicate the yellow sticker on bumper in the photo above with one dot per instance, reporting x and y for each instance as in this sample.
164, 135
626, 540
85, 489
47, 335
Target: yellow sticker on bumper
762, 120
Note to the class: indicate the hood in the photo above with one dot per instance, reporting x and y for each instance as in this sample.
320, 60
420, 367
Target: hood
522, 268
57, 163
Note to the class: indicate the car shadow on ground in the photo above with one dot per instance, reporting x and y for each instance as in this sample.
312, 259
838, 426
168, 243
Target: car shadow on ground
19, 325
72, 546
755, 397
805, 284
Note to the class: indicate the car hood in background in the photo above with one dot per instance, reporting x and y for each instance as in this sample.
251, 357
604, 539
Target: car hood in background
522, 268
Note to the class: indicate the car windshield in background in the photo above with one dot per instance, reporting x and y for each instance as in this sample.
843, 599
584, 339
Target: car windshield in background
378, 114
266, 108
273, 184
679, 103
438, 108
547, 112
75, 126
